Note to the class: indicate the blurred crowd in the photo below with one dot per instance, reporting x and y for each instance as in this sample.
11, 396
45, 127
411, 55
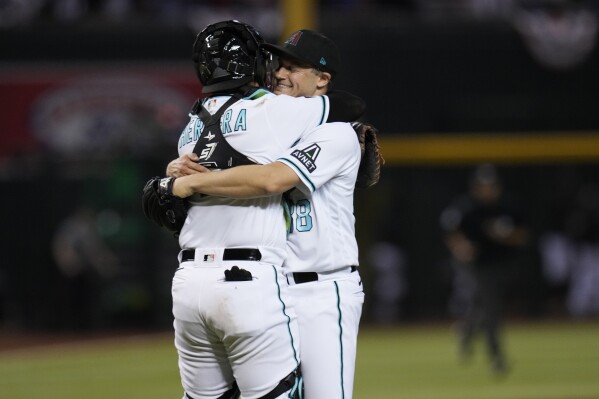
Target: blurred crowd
27, 12
559, 33
194, 14
570, 252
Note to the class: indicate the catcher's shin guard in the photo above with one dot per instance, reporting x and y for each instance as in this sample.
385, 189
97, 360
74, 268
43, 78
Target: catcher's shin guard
293, 384
232, 393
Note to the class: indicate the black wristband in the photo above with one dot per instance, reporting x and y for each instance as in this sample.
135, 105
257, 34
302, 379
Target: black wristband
165, 187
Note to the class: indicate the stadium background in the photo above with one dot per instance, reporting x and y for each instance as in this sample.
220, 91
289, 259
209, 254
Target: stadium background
93, 95
93, 98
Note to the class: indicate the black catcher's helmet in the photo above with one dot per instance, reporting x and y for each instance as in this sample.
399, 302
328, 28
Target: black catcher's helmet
228, 55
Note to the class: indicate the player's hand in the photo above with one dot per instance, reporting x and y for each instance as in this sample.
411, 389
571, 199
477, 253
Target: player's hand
185, 165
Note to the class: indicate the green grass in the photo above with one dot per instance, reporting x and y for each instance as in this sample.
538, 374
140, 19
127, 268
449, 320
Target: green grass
548, 361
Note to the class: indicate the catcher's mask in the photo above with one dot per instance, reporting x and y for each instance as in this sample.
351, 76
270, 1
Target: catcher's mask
228, 55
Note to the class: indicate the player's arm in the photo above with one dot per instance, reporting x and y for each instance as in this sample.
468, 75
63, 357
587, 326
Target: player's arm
248, 181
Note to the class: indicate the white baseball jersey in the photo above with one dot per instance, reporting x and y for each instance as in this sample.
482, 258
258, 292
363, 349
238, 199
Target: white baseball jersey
322, 234
261, 127
322, 240
239, 330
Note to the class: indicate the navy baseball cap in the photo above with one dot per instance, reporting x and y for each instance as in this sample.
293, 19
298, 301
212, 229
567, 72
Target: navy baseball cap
310, 47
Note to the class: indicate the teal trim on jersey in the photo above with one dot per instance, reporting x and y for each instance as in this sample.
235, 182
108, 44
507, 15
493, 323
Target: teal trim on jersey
257, 94
340, 337
324, 108
287, 214
300, 384
287, 162
274, 269
295, 388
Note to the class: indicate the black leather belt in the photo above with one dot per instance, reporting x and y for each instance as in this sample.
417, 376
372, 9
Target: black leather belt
252, 254
308, 277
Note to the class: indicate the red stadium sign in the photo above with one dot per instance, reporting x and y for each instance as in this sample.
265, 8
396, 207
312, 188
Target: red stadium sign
98, 109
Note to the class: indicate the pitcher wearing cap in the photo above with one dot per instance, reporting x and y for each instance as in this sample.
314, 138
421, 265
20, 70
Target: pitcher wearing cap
305, 52
318, 175
328, 301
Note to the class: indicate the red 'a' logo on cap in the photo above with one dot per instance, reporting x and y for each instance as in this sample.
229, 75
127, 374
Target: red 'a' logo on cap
293, 39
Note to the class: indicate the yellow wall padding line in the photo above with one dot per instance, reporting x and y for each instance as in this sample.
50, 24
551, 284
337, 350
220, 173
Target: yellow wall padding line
496, 147
298, 14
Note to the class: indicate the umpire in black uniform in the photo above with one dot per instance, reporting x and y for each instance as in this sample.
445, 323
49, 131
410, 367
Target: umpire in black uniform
484, 230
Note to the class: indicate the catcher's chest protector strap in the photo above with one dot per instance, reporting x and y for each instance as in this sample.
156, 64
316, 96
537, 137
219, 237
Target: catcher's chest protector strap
212, 148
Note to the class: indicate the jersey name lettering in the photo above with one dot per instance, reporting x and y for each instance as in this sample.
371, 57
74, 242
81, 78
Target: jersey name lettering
192, 132
239, 124
228, 124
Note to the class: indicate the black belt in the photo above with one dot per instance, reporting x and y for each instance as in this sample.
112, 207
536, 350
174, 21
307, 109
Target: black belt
228, 254
308, 277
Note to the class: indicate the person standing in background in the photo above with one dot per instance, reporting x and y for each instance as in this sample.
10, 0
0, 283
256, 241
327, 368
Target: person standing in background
484, 231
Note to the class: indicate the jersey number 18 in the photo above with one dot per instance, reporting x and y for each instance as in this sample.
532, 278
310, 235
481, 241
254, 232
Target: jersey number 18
299, 217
